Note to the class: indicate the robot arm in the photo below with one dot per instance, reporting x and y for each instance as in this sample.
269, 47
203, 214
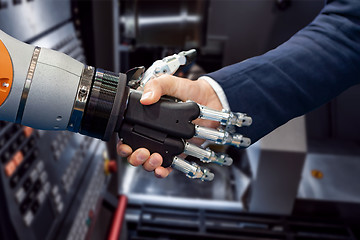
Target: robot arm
48, 90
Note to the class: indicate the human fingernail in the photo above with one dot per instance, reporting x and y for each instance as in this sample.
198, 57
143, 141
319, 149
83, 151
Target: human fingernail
146, 96
153, 162
158, 175
122, 153
141, 157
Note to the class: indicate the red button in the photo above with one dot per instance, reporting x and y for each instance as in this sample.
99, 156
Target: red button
10, 168
18, 158
28, 131
112, 166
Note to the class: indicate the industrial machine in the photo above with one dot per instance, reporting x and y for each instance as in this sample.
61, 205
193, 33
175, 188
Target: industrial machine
49, 180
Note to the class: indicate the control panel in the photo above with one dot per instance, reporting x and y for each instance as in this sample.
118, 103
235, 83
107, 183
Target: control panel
51, 182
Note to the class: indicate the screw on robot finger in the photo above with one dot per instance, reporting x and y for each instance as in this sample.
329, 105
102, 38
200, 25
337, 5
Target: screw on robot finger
192, 170
222, 137
206, 155
225, 117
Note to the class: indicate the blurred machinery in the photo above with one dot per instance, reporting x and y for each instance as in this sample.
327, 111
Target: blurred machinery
297, 183
51, 183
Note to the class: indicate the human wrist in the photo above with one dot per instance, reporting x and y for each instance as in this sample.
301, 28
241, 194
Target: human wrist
211, 96
217, 90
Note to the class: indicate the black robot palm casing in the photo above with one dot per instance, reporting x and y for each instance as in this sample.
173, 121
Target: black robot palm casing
159, 127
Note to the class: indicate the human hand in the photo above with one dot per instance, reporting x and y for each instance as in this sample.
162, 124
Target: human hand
198, 91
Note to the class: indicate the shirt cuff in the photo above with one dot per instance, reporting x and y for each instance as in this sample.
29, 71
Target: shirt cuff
218, 90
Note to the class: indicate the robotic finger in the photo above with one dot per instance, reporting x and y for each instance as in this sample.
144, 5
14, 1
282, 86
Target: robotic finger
222, 137
168, 65
207, 155
192, 170
225, 117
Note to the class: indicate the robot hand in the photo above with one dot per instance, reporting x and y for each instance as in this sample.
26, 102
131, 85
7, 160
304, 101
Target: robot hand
164, 126
48, 90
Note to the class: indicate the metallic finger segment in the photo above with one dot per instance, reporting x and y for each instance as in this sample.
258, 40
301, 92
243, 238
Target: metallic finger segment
206, 155
168, 65
225, 117
192, 170
222, 137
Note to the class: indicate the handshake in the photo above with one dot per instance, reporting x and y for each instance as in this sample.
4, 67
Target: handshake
162, 129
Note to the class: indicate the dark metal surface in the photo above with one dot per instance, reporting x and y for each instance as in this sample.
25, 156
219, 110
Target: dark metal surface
39, 16
156, 221
164, 23
250, 28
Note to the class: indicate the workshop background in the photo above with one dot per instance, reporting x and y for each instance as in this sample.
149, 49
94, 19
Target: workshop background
299, 182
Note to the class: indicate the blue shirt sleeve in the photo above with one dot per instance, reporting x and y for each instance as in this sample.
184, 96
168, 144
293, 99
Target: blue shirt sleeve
314, 66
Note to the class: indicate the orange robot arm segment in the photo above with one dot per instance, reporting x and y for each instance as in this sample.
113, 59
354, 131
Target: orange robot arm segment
6, 73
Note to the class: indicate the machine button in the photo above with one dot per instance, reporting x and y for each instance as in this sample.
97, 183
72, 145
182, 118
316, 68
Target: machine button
43, 177
32, 195
32, 142
21, 138
10, 168
28, 131
20, 195
26, 166
22, 170
55, 191
25, 148
25, 205
47, 188
37, 186
2, 142
57, 199
35, 207
34, 174
40, 166
5, 156
14, 146
41, 197
27, 184
28, 218
110, 166
57, 154
14, 180
60, 207
18, 158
